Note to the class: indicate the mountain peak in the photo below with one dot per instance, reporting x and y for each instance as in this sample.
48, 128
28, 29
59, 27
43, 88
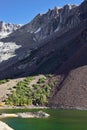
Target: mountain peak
70, 6
7, 28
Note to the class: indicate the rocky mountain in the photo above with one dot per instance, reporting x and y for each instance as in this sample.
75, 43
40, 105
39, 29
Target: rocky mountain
7, 28
71, 92
57, 19
38, 31
52, 43
54, 20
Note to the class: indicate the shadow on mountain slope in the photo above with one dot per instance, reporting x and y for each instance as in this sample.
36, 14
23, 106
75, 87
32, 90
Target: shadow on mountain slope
55, 54
71, 92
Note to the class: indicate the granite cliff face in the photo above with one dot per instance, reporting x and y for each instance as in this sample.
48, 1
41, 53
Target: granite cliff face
57, 19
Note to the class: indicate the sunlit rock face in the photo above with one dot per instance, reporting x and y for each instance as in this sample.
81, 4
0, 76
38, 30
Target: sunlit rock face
4, 126
44, 25
7, 28
41, 27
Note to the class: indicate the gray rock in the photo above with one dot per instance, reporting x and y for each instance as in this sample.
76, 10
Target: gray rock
39, 114
4, 126
44, 25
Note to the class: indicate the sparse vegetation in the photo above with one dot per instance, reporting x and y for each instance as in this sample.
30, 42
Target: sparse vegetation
41, 80
4, 81
24, 94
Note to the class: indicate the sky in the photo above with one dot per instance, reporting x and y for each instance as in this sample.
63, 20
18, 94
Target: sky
23, 11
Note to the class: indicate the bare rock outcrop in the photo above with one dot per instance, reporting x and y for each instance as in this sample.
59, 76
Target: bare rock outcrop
4, 126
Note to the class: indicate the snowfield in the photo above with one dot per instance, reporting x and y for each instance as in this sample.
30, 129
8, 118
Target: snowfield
7, 50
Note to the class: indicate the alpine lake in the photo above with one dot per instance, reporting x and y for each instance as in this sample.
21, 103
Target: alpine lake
58, 120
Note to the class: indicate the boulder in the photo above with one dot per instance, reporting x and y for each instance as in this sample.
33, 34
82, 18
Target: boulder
4, 126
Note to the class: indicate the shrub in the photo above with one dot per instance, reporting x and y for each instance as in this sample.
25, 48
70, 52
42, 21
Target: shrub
42, 80
38, 94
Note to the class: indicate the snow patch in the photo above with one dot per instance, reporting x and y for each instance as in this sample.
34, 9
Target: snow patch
4, 34
38, 30
57, 29
7, 50
34, 39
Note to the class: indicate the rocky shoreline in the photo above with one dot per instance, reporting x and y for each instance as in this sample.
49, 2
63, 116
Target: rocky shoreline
4, 126
68, 108
39, 114
23, 107
43, 107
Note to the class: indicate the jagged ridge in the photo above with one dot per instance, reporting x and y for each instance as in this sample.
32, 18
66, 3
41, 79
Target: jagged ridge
7, 28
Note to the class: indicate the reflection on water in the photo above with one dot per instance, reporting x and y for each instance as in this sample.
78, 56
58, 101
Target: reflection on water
59, 120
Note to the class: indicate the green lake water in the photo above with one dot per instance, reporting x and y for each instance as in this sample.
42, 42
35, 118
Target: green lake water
58, 120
